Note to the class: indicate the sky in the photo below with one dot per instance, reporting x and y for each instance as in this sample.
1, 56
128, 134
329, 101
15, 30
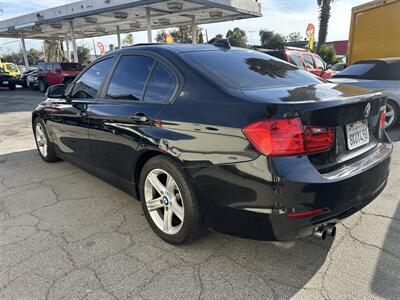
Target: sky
282, 16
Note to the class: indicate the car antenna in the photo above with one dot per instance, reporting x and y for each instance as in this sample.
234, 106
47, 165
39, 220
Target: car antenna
220, 43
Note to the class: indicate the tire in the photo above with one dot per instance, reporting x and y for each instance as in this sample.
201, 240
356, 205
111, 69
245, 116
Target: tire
43, 143
12, 87
393, 109
182, 201
42, 86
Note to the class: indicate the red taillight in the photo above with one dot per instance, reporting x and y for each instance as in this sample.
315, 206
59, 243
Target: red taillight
305, 214
318, 139
382, 118
286, 137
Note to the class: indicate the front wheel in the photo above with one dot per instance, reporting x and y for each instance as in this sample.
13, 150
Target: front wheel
42, 86
43, 144
168, 200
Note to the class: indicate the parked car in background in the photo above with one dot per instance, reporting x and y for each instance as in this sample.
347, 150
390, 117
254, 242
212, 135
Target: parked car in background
380, 74
23, 79
303, 59
338, 67
32, 80
11, 69
7, 80
228, 137
52, 73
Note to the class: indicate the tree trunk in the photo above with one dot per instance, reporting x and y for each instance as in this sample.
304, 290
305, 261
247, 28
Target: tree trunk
325, 14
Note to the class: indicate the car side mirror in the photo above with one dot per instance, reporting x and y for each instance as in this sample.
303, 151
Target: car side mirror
328, 67
58, 70
56, 91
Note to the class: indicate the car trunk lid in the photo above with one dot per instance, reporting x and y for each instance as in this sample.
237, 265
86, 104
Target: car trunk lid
353, 112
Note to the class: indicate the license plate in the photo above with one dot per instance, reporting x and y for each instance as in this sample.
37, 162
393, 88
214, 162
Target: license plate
357, 134
5, 82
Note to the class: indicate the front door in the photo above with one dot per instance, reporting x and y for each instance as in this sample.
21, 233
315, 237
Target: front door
139, 88
69, 122
310, 66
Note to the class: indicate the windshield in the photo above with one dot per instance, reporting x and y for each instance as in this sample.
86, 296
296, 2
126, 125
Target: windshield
357, 70
248, 69
12, 67
71, 67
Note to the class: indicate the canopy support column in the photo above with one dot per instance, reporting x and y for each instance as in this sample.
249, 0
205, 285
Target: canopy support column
24, 54
119, 37
67, 48
74, 48
194, 33
148, 22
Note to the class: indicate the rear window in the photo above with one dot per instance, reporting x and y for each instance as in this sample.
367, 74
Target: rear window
357, 70
71, 67
248, 69
373, 70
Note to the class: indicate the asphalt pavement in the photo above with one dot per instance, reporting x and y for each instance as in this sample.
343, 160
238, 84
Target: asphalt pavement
65, 234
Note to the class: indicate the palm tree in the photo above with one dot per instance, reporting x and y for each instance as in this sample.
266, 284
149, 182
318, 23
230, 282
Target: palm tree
324, 15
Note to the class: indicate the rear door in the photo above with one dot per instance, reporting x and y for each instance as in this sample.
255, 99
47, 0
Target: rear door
140, 87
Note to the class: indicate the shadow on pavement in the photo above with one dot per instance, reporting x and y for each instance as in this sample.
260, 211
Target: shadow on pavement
227, 266
394, 134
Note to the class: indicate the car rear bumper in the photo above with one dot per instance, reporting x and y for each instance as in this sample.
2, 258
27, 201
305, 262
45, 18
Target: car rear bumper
246, 200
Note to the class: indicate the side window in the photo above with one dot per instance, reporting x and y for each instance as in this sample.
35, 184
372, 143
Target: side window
130, 77
89, 83
309, 61
41, 67
296, 60
319, 63
161, 85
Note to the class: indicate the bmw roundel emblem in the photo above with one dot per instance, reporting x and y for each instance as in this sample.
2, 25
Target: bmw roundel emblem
165, 200
367, 110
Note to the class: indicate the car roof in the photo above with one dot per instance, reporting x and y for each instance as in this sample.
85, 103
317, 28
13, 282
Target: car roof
180, 48
390, 60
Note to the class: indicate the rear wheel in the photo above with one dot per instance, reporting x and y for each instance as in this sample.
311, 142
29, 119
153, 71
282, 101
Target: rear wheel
12, 87
42, 86
43, 144
168, 201
392, 114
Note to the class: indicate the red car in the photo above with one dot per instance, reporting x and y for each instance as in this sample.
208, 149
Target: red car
52, 73
303, 59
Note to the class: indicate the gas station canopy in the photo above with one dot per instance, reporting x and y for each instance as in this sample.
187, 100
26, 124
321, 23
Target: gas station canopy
91, 18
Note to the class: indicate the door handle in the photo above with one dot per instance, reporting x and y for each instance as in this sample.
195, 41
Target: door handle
82, 114
140, 118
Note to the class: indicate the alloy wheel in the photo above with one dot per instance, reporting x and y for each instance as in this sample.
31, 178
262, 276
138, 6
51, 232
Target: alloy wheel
164, 201
389, 116
41, 140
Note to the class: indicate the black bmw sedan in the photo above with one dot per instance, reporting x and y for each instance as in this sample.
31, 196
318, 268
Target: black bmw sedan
209, 136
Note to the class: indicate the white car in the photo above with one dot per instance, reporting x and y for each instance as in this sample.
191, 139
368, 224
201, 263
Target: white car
380, 74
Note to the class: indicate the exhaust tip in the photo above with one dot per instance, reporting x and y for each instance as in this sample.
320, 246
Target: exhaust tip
331, 230
320, 234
